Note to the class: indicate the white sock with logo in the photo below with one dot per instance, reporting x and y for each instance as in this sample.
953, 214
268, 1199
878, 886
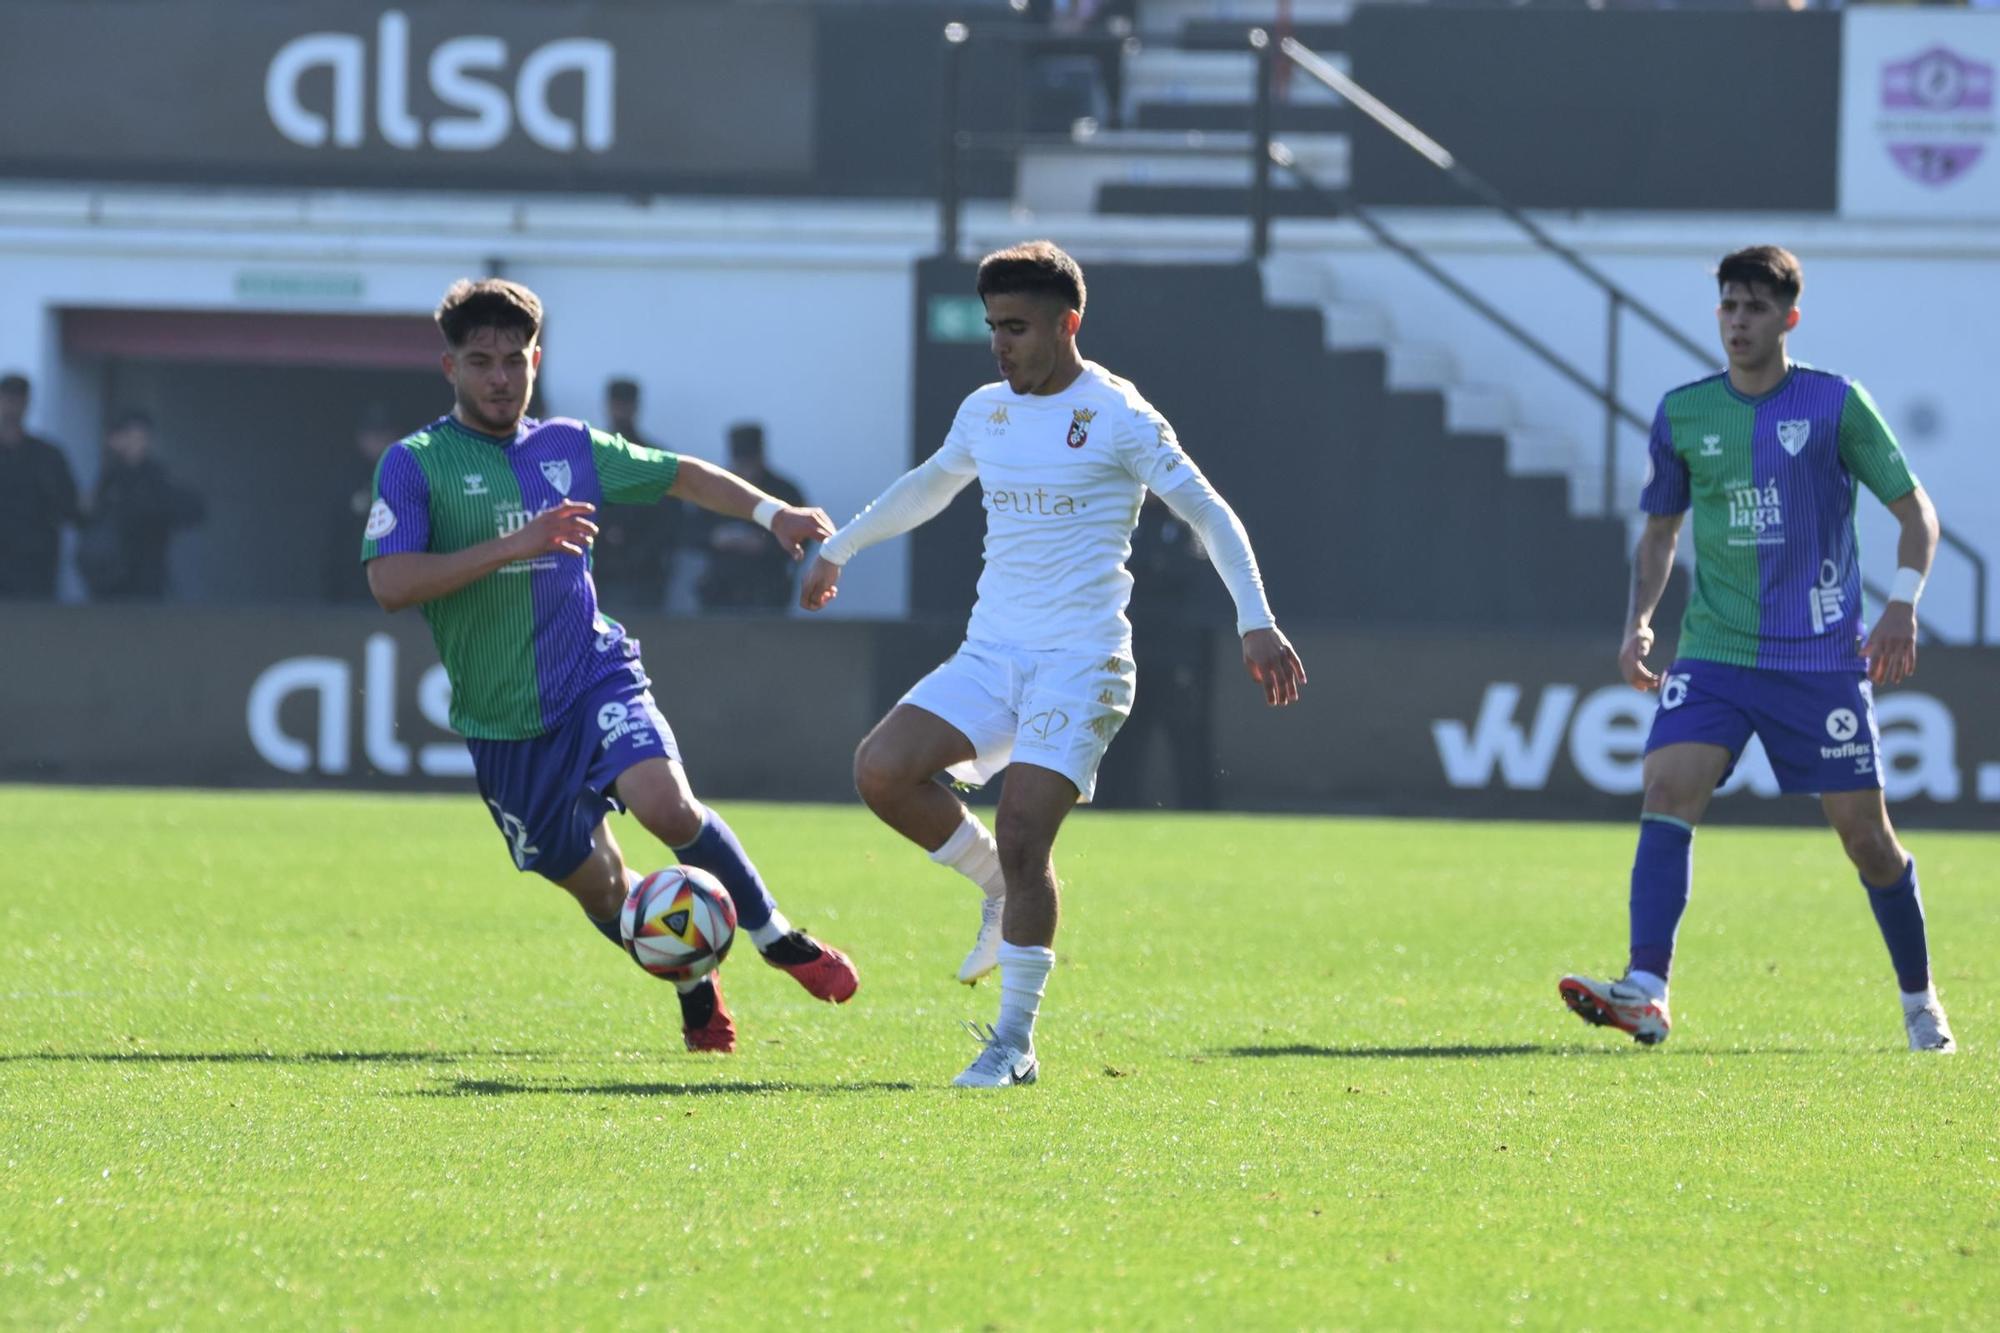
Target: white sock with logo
1922, 999
971, 851
1024, 972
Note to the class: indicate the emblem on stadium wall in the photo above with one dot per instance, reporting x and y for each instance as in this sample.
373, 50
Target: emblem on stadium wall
1936, 114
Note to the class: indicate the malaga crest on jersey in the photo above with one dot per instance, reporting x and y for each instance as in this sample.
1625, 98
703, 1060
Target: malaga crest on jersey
557, 471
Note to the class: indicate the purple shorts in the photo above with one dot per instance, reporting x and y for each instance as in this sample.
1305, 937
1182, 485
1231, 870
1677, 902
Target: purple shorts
549, 793
1818, 727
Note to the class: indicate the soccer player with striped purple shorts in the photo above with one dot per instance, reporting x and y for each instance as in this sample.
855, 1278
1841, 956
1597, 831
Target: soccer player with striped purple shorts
482, 518
1767, 455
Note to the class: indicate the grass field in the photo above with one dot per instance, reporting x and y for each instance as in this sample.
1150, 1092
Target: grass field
315, 1061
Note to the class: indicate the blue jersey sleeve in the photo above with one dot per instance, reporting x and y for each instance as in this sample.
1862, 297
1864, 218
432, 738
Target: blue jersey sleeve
1666, 490
400, 519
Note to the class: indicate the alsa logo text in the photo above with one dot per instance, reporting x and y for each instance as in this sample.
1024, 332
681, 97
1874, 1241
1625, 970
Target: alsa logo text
465, 74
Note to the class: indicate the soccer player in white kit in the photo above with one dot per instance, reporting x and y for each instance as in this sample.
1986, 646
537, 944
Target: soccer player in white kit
1064, 452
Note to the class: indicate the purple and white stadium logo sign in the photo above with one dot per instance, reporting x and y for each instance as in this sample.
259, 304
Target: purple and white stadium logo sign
1938, 113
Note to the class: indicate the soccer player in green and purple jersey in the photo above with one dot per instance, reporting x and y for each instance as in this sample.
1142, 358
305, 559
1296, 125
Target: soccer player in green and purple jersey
482, 518
1767, 455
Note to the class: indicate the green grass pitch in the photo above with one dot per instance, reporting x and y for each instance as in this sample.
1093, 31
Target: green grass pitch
319, 1061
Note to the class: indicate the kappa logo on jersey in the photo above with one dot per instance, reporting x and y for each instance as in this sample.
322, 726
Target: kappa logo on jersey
557, 472
1079, 426
1711, 446
999, 416
381, 521
1793, 435
475, 483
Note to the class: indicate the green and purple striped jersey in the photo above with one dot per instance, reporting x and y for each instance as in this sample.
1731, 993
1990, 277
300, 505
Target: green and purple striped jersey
1771, 480
524, 643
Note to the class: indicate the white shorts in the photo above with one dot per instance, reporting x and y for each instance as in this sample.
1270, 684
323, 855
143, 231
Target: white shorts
1055, 710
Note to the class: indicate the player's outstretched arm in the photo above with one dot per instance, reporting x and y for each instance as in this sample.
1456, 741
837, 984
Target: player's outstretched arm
1267, 654
1652, 563
1891, 649
411, 578
914, 498
723, 492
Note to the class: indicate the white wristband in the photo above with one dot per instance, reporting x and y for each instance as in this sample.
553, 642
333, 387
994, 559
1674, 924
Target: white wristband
1907, 586
765, 511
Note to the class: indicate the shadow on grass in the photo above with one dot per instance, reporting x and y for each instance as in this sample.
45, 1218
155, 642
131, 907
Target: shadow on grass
1485, 1052
267, 1057
489, 1087
1386, 1052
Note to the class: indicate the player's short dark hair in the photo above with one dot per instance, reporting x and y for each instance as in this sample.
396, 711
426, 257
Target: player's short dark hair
1040, 268
1771, 266
488, 303
129, 417
15, 383
620, 389
746, 437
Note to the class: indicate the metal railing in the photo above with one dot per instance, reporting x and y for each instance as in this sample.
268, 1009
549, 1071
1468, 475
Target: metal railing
956, 143
1619, 301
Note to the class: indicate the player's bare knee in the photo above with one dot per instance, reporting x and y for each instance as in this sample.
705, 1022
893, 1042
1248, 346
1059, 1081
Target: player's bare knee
1665, 799
672, 819
1875, 853
878, 778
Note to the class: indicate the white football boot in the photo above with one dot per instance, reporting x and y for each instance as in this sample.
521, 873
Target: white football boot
1619, 1004
1929, 1030
985, 955
1000, 1065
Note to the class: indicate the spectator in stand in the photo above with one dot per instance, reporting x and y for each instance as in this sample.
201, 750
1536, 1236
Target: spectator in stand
742, 575
135, 509
343, 578
1079, 67
1171, 610
37, 496
633, 558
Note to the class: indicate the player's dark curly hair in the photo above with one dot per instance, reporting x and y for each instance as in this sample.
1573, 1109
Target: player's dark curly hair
1038, 267
489, 303
1771, 266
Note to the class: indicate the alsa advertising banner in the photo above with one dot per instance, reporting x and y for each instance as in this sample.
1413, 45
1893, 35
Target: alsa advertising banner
1917, 115
503, 95
1468, 725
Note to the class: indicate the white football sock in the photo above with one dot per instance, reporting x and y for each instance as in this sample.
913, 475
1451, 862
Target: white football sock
1915, 1000
1024, 971
771, 931
1655, 987
971, 851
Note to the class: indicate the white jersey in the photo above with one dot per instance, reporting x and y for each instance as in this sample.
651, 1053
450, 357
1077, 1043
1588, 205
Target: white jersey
1063, 477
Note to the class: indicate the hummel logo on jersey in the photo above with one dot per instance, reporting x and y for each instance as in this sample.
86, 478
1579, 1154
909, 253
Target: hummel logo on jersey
1711, 446
557, 472
1793, 435
1079, 426
999, 417
475, 483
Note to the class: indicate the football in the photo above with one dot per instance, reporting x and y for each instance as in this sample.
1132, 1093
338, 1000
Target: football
678, 923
